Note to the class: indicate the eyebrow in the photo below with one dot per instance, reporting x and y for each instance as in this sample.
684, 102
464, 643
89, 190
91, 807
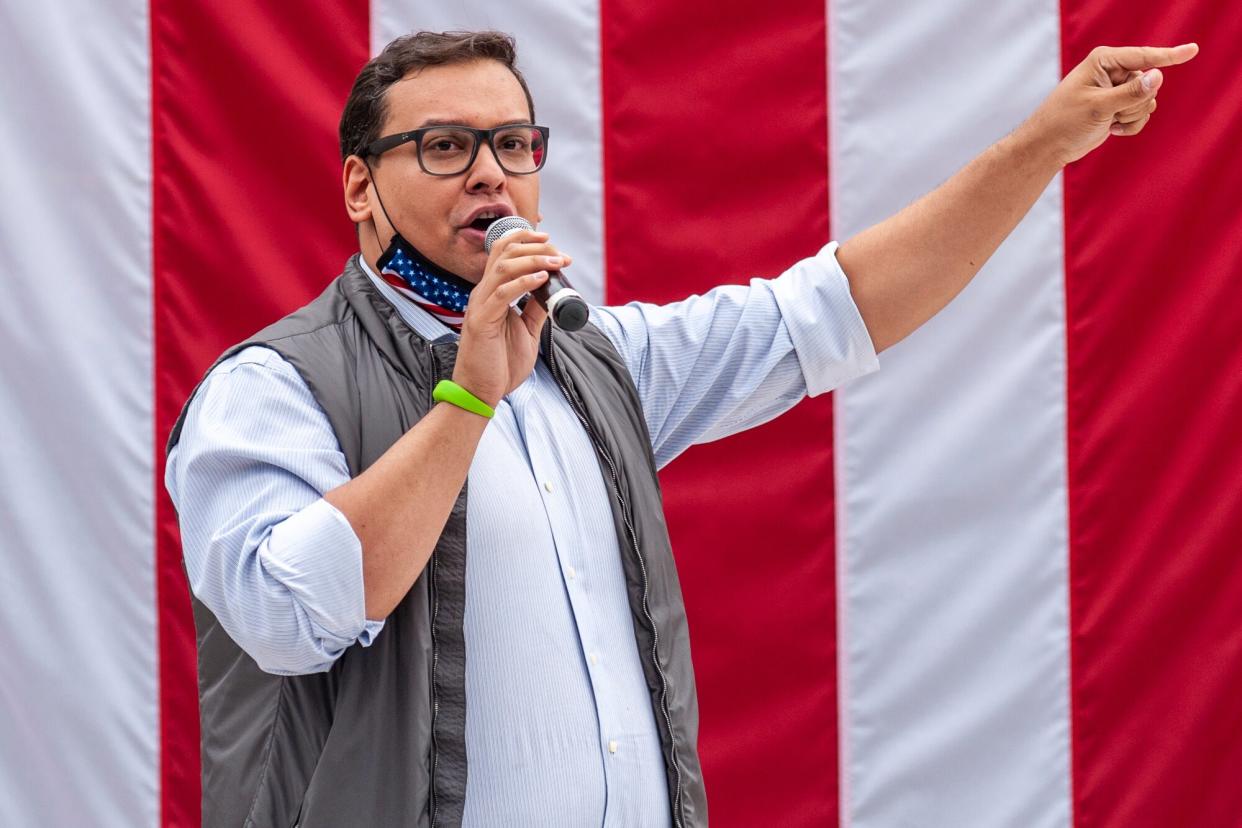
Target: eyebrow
432, 122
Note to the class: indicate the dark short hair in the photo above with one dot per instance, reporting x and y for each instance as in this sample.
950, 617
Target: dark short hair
367, 107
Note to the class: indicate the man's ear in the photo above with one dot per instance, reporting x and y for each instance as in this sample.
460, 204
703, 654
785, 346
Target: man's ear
356, 182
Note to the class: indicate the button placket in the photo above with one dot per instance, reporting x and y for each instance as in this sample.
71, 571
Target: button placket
548, 479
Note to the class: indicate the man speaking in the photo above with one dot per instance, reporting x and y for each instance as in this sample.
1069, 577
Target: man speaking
422, 524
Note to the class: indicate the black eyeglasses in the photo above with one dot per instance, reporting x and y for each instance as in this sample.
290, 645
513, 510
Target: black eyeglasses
520, 149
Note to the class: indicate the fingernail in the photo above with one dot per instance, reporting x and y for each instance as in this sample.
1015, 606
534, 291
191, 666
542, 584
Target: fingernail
554, 261
1150, 79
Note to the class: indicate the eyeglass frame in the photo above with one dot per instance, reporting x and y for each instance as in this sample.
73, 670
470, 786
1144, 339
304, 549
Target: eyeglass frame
382, 145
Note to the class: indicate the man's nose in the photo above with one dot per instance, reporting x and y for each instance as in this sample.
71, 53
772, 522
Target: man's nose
485, 173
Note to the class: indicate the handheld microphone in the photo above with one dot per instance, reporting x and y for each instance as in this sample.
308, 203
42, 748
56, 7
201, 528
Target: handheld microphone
569, 311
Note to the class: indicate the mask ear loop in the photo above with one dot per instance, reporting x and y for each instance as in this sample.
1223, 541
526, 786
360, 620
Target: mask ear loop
380, 199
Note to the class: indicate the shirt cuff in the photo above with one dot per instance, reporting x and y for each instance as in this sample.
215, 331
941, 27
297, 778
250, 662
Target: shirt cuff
824, 324
318, 558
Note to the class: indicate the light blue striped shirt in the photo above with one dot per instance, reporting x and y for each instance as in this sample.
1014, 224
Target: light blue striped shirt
559, 727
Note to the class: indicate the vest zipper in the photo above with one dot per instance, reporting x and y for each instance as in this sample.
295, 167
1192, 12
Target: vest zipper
435, 610
642, 565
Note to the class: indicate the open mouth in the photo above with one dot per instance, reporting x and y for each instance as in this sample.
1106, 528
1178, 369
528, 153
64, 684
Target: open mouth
485, 215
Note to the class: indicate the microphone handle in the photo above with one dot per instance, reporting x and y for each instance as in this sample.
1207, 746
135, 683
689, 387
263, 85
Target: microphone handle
569, 311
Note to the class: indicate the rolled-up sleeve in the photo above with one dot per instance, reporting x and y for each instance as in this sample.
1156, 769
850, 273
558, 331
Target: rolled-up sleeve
827, 331
739, 355
279, 566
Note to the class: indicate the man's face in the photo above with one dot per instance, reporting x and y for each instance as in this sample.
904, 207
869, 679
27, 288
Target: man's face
434, 213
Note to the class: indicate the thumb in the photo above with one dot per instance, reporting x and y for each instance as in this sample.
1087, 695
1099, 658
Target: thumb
534, 314
1140, 88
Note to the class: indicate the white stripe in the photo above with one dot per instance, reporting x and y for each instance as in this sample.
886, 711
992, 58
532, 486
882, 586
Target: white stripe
79, 735
951, 460
558, 52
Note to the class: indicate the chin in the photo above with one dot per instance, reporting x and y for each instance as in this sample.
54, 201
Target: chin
470, 271
471, 267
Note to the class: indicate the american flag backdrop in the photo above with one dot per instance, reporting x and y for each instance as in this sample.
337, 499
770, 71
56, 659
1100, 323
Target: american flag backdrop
997, 583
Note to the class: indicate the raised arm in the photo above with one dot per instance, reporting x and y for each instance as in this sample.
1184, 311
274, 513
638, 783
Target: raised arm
903, 270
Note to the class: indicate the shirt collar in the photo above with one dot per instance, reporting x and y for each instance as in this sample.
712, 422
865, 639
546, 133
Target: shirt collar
423, 323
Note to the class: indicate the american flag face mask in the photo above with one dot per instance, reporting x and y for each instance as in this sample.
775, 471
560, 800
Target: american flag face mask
442, 294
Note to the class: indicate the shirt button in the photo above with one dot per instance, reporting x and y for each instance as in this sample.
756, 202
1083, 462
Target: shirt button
594, 659
612, 746
547, 486
570, 573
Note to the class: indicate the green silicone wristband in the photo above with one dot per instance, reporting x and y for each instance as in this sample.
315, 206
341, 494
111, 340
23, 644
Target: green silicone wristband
453, 394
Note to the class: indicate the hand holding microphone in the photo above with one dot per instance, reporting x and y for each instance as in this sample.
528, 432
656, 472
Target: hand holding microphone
569, 311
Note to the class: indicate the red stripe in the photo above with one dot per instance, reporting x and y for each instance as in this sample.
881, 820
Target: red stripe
439, 312
248, 224
454, 317
395, 281
715, 169
1153, 269
448, 317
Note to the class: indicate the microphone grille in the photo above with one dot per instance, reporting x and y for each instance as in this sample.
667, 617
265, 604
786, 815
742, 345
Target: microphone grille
502, 227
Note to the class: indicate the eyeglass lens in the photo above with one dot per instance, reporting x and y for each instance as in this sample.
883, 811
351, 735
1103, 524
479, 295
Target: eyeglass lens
446, 151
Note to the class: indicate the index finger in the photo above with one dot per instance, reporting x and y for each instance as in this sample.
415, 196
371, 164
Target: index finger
500, 245
517, 237
1148, 57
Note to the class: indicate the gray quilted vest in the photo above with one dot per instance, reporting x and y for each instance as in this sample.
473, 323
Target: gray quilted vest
379, 739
